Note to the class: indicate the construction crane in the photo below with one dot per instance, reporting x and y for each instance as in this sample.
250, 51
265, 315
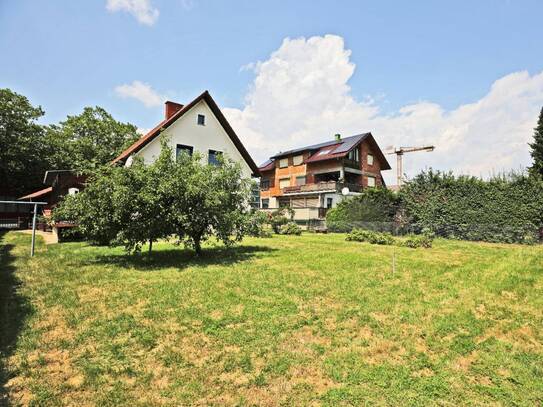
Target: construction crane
399, 154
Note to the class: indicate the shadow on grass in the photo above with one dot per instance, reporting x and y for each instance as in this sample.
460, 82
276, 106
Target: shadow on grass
14, 309
182, 258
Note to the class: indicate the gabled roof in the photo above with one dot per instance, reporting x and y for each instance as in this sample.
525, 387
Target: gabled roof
330, 150
349, 142
267, 165
151, 135
37, 194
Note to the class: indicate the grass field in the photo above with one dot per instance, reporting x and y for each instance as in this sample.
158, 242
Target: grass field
310, 320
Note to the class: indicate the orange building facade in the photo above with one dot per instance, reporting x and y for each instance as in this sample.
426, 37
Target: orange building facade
315, 178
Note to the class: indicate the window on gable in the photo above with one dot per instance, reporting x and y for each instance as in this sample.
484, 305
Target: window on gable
354, 155
201, 120
183, 149
213, 157
370, 159
283, 163
297, 159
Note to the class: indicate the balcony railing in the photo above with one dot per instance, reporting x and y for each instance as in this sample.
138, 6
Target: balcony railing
322, 186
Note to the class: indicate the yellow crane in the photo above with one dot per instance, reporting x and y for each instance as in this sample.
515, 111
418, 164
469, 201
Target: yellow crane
399, 161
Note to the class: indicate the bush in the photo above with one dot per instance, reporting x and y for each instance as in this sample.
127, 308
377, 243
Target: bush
360, 235
255, 224
290, 228
374, 208
415, 241
278, 218
507, 208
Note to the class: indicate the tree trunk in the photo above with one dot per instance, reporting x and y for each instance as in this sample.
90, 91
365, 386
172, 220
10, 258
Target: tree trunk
197, 246
150, 245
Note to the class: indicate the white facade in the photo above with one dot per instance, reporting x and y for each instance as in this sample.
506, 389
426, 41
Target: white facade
187, 132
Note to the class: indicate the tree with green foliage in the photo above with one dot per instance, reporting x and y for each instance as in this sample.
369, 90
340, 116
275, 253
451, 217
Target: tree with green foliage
537, 148
209, 200
22, 147
183, 198
88, 140
144, 202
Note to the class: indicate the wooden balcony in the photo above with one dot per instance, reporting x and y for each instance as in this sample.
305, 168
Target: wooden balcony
332, 186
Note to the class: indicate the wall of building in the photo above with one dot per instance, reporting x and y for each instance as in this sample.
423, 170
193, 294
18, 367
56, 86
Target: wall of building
312, 169
186, 131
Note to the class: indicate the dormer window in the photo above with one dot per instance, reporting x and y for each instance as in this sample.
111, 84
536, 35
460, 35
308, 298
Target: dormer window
370, 159
201, 120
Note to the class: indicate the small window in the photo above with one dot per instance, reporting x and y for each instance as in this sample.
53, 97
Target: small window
265, 203
201, 120
283, 183
283, 163
297, 159
370, 159
182, 149
265, 184
354, 155
300, 180
371, 181
329, 202
213, 157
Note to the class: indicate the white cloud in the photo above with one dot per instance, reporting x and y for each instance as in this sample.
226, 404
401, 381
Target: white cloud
301, 95
140, 91
142, 10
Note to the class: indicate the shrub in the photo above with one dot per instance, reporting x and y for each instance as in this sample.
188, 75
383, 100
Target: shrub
278, 218
374, 208
255, 224
290, 228
360, 235
415, 241
506, 208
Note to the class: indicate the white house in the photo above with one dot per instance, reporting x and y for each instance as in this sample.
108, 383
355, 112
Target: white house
198, 126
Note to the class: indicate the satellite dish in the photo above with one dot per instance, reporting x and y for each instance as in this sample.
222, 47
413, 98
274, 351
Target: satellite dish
345, 191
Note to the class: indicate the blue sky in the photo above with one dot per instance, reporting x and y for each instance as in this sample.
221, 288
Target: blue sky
65, 55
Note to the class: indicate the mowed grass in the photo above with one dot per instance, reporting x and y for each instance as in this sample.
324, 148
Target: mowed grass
309, 320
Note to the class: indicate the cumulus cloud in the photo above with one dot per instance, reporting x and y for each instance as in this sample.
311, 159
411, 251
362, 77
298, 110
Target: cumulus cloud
301, 95
140, 91
142, 10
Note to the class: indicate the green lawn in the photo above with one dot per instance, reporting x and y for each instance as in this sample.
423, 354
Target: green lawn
310, 320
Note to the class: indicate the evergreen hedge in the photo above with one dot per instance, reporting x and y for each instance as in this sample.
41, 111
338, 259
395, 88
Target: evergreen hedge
503, 209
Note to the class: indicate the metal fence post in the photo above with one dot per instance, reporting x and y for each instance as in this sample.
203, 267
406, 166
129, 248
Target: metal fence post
34, 230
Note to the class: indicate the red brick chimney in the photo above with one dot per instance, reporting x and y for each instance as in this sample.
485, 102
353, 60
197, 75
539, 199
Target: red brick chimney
171, 108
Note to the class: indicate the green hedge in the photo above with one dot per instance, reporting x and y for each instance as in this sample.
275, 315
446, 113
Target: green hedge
374, 209
503, 209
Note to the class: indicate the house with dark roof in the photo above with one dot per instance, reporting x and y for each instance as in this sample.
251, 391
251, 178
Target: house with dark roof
315, 178
198, 126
